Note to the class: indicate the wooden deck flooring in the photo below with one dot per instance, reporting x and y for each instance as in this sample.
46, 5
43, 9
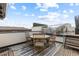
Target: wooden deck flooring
27, 49
67, 52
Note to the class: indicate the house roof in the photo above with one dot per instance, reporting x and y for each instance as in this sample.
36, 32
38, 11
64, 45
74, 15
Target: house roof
14, 28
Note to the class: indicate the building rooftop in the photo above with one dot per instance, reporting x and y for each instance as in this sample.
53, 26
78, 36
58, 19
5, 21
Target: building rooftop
5, 28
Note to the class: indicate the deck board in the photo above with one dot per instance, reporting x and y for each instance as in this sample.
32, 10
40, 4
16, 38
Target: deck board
26, 49
67, 52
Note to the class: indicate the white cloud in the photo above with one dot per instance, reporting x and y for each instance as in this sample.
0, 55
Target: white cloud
26, 15
74, 4
1, 21
23, 7
71, 4
52, 5
65, 16
43, 9
13, 7
29, 15
32, 14
64, 11
47, 5
55, 17
77, 4
53, 14
38, 5
17, 13
44, 17
28, 26
44, 6
11, 4
50, 17
71, 11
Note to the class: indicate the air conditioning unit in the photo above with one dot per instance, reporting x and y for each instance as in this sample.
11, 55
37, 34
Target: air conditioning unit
2, 10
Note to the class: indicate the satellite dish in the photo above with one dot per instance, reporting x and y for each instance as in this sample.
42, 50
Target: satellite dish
2, 10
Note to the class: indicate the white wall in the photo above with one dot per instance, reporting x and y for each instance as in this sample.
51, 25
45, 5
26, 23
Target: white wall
39, 28
12, 38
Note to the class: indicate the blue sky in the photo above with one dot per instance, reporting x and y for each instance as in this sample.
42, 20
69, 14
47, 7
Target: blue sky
25, 14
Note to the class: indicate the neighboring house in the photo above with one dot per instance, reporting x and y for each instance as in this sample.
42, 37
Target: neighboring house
13, 35
38, 24
39, 28
12, 29
65, 28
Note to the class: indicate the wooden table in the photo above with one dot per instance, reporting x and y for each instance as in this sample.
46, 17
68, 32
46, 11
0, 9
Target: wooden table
45, 36
40, 38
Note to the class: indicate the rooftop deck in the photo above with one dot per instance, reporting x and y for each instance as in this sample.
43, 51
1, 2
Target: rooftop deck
67, 52
26, 49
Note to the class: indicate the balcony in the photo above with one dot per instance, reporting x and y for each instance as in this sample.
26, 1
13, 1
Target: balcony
27, 49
